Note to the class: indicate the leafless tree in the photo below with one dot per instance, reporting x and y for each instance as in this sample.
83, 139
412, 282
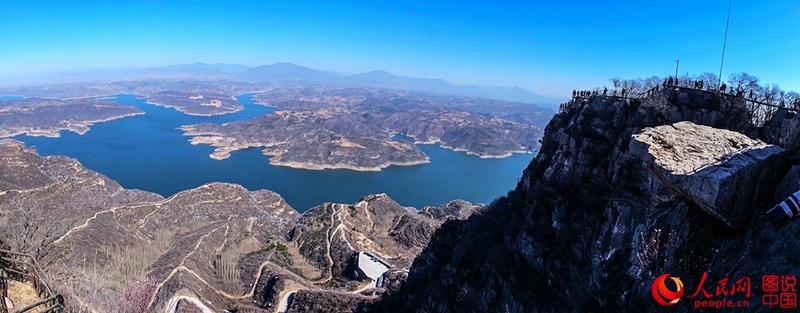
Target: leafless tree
634, 88
710, 80
793, 100
686, 80
27, 230
615, 81
746, 81
652, 81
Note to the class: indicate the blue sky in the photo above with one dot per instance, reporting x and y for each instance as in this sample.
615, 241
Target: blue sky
550, 47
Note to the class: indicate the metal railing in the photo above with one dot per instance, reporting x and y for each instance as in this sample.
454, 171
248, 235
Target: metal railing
762, 111
24, 268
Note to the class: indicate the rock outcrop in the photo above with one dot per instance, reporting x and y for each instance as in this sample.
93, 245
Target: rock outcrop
724, 172
589, 227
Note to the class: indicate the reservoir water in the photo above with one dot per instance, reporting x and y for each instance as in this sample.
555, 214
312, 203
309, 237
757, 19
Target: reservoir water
148, 152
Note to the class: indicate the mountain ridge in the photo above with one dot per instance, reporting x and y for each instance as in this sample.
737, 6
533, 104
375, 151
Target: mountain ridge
285, 72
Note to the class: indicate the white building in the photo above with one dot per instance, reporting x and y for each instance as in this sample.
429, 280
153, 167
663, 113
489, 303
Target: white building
372, 267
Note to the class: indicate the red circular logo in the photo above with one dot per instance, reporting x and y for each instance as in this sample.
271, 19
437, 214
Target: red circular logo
663, 295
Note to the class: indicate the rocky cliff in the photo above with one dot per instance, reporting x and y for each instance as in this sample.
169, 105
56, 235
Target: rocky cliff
612, 201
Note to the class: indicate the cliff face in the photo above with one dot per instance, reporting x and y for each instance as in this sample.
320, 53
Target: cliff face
591, 224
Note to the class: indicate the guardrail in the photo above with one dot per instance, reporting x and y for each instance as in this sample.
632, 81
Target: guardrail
762, 111
24, 268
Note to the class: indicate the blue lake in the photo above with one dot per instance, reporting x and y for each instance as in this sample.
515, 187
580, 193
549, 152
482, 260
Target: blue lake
148, 152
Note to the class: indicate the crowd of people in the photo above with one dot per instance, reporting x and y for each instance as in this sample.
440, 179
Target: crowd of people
595, 93
740, 91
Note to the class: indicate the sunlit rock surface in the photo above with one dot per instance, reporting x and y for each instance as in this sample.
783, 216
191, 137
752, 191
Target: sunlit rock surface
724, 172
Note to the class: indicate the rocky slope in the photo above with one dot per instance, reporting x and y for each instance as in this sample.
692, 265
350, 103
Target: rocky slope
596, 218
216, 247
41, 198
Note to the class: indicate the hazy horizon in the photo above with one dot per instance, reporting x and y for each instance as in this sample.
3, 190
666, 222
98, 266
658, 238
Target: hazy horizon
548, 48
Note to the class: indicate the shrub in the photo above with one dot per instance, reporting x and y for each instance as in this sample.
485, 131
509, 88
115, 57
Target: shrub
137, 295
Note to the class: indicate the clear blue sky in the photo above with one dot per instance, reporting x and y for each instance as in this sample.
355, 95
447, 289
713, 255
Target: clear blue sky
550, 47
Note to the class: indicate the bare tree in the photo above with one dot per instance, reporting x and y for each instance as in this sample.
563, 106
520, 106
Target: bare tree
615, 81
634, 88
652, 81
746, 81
793, 100
710, 80
27, 230
686, 80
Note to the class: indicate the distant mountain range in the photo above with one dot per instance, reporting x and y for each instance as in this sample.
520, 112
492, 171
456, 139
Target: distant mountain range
288, 72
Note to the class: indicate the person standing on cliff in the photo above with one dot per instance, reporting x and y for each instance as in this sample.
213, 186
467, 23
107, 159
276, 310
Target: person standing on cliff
670, 81
723, 87
574, 93
605, 91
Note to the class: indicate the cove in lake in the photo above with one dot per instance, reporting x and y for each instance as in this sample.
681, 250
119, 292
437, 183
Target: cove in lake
148, 152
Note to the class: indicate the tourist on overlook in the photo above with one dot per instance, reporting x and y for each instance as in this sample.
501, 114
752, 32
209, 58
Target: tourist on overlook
723, 87
670, 81
605, 91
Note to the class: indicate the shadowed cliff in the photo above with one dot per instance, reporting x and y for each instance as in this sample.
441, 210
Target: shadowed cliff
591, 224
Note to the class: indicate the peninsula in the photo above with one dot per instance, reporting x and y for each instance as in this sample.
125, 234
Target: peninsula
321, 124
319, 127
196, 103
48, 117
310, 140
